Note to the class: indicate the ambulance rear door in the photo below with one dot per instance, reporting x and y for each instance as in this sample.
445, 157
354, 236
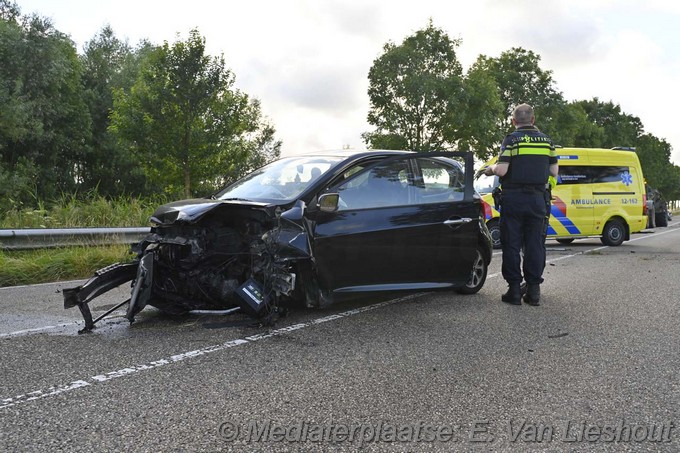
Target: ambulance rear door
615, 187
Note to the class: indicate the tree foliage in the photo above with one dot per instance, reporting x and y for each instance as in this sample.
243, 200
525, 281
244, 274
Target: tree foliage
109, 64
182, 128
185, 123
482, 109
148, 119
44, 122
416, 93
520, 79
420, 101
615, 127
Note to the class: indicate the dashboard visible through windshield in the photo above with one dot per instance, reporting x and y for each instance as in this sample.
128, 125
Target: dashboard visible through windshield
284, 179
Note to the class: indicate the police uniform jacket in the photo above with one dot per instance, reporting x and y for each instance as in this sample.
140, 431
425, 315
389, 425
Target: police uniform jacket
529, 153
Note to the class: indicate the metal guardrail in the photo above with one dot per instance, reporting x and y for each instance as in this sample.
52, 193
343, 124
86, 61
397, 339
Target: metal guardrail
26, 239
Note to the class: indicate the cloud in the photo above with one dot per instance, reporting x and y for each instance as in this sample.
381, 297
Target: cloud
318, 80
327, 89
307, 60
354, 19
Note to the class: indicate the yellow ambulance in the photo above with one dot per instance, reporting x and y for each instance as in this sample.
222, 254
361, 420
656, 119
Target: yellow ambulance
599, 192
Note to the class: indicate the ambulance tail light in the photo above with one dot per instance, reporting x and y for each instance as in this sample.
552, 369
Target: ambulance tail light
644, 204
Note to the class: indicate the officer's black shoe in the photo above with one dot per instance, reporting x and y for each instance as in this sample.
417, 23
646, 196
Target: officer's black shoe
514, 295
533, 295
523, 288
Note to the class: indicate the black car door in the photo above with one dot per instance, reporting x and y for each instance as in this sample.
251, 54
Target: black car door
406, 222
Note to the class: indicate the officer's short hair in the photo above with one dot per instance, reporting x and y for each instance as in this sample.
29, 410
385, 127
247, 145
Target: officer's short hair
523, 114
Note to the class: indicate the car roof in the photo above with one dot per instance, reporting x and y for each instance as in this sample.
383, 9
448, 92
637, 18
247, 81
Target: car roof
347, 153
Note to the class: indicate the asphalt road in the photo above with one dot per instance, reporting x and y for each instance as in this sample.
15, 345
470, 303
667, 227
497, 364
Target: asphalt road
594, 368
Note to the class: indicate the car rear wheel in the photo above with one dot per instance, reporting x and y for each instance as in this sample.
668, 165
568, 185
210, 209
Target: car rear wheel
495, 230
614, 233
477, 275
565, 240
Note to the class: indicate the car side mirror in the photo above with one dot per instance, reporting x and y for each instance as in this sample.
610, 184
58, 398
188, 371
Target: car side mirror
328, 202
295, 213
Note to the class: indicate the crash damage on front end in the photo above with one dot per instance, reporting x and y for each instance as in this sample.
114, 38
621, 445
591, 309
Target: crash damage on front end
209, 255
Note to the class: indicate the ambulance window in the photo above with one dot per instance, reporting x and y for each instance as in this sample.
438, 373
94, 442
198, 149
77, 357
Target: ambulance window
574, 175
608, 174
587, 174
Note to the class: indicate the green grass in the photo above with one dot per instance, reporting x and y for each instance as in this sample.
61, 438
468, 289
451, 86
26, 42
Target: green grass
69, 263
92, 211
28, 267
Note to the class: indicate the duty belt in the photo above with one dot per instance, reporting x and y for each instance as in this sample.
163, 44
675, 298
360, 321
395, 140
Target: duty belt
527, 188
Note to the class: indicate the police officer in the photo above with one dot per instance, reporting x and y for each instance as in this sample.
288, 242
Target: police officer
526, 161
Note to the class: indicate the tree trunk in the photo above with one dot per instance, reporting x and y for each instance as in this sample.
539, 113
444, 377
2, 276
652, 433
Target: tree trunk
187, 181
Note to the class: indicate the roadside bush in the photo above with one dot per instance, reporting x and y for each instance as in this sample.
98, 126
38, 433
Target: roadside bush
91, 210
17, 187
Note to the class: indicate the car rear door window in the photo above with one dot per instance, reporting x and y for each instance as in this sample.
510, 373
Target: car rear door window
438, 182
382, 186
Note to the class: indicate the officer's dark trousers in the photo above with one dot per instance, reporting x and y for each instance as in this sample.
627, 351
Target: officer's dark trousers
523, 224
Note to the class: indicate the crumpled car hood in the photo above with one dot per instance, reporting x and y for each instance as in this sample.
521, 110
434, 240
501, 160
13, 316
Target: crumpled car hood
192, 210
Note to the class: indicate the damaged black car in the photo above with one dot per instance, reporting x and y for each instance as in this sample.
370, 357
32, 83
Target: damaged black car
308, 229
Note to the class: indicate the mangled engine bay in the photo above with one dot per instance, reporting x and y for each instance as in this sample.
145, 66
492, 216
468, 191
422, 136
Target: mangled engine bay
207, 255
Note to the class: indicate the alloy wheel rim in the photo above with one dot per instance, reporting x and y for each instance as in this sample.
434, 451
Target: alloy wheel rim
477, 271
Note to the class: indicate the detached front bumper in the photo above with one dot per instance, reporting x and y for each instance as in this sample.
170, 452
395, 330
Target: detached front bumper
104, 280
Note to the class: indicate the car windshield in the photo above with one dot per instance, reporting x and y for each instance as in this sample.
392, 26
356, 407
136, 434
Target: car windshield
284, 179
485, 184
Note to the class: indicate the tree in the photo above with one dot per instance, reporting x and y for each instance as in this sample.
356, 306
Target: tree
520, 79
575, 128
618, 128
109, 64
15, 119
483, 111
654, 155
9, 11
671, 189
659, 172
416, 93
44, 123
184, 122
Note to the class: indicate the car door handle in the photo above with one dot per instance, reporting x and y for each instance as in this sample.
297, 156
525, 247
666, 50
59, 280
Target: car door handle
457, 221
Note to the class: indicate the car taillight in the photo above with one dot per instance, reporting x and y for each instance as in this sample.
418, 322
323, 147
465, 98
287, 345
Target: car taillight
486, 210
644, 204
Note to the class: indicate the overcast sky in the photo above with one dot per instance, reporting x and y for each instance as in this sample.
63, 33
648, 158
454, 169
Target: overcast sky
308, 60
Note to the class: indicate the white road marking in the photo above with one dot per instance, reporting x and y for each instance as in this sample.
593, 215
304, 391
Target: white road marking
18, 333
105, 377
497, 274
65, 283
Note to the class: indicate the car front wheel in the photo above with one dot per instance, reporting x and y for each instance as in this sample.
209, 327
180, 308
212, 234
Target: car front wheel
477, 275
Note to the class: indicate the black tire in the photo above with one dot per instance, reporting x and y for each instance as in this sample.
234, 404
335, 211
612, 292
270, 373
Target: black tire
614, 233
495, 230
565, 240
477, 275
661, 219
